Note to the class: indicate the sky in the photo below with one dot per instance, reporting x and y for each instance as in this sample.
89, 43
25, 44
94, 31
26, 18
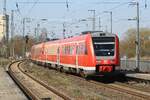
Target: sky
76, 17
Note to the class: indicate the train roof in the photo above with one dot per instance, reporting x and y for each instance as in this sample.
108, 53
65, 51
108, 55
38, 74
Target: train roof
98, 33
83, 36
86, 32
75, 38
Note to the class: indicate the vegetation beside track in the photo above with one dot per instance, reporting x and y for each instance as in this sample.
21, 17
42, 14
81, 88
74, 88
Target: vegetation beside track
127, 44
4, 62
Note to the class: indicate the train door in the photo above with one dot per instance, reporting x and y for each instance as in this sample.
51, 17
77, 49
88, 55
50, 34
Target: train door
76, 55
46, 51
58, 55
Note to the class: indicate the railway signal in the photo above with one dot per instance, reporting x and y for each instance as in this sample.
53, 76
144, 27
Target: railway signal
27, 39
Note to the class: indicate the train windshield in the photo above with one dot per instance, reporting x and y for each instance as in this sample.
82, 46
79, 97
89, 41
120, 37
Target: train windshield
104, 46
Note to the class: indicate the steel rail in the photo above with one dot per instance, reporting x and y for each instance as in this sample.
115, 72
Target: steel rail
121, 88
45, 85
26, 90
21, 86
125, 89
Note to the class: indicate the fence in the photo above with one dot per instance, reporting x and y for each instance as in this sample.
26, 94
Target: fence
131, 65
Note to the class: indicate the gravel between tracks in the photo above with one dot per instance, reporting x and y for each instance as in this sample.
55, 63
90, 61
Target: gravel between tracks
74, 87
141, 85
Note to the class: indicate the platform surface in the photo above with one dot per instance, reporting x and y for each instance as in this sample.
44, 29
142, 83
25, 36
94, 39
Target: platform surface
8, 89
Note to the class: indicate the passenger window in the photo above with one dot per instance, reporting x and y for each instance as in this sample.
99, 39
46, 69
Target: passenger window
82, 49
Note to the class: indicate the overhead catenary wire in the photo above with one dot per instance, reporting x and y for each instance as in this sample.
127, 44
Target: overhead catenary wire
18, 10
43, 2
39, 2
73, 12
34, 4
67, 4
111, 9
101, 13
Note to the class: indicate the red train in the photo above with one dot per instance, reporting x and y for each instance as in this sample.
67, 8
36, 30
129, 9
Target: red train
88, 54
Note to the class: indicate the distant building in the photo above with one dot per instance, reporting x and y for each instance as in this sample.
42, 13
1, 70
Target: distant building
3, 26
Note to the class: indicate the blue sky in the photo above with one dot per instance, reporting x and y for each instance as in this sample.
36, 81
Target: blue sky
57, 14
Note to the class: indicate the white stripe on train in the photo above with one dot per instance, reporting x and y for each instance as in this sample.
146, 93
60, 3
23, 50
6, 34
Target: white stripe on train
69, 65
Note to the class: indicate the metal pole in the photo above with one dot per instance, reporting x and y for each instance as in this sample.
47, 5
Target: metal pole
35, 32
145, 3
7, 34
137, 40
93, 19
4, 8
23, 27
111, 21
99, 23
64, 30
23, 34
12, 31
38, 32
4, 25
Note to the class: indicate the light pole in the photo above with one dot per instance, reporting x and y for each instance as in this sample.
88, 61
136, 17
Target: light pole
5, 28
110, 19
24, 20
37, 29
93, 19
137, 42
23, 33
12, 33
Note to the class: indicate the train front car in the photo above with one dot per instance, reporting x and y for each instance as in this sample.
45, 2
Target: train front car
106, 50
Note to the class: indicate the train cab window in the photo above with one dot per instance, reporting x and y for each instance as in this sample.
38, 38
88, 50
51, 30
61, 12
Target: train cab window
104, 49
104, 46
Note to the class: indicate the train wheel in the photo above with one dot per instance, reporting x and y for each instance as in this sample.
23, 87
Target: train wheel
113, 68
62, 70
82, 74
49, 66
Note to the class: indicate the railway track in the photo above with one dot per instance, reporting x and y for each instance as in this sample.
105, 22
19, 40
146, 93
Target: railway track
122, 87
33, 88
117, 86
125, 89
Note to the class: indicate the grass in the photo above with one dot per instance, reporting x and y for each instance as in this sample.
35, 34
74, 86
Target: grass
4, 62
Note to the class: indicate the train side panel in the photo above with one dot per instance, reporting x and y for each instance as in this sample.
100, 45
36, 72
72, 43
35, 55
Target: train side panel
86, 58
68, 54
51, 52
36, 52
